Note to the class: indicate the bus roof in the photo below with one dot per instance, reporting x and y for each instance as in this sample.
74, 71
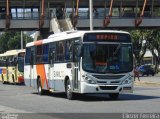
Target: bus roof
12, 52
69, 35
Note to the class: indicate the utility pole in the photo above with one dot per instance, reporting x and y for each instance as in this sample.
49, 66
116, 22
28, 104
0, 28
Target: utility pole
91, 14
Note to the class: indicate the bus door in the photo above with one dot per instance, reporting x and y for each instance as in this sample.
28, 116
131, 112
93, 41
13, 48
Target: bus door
7, 70
15, 62
51, 68
76, 69
31, 68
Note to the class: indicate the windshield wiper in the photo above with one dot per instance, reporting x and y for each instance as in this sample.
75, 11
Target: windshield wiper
117, 49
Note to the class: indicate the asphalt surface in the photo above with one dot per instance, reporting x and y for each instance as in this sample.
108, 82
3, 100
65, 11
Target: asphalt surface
153, 79
22, 99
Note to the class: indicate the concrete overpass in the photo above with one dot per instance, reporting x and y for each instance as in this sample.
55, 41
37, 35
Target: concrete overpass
36, 14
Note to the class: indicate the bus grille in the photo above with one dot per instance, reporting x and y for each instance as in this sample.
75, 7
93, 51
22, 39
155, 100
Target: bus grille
108, 87
108, 76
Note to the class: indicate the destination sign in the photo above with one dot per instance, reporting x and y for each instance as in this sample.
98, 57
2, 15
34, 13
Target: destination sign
107, 37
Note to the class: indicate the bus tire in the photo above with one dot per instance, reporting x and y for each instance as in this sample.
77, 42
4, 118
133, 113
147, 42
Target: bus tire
113, 96
39, 87
68, 90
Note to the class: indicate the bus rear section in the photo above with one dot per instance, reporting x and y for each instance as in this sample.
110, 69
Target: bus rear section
2, 67
81, 62
13, 67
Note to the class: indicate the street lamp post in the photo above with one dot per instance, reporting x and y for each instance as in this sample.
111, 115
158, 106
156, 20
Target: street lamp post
91, 14
21, 39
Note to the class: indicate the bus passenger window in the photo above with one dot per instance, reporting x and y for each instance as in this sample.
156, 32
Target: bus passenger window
39, 55
68, 50
28, 55
60, 52
45, 53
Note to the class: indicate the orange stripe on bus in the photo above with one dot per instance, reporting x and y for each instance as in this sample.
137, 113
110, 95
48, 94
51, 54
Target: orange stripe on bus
4, 71
39, 42
41, 72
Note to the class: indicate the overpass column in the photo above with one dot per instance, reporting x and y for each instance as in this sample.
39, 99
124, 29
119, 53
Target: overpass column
74, 16
7, 15
41, 22
107, 19
138, 21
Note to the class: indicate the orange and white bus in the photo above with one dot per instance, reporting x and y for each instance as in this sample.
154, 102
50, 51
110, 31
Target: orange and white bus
12, 66
81, 62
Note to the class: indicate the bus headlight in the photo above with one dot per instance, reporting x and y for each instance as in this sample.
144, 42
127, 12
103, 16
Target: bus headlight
88, 80
127, 80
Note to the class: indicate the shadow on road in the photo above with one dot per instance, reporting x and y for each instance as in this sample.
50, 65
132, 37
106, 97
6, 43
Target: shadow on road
101, 97
125, 97
16, 84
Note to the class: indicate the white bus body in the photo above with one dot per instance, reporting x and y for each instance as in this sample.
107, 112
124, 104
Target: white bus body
81, 62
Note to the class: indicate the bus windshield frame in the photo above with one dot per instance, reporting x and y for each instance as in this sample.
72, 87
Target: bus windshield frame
104, 56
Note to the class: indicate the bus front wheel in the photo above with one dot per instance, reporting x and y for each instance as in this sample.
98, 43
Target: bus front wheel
68, 90
39, 87
113, 96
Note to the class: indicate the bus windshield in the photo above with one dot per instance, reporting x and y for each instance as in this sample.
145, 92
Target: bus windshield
107, 58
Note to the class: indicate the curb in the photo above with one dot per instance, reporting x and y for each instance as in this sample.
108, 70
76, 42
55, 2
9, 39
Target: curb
145, 83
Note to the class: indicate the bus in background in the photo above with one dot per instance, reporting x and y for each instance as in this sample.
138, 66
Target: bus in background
12, 65
2, 66
81, 62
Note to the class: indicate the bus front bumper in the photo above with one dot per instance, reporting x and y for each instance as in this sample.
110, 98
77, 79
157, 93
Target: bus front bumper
95, 88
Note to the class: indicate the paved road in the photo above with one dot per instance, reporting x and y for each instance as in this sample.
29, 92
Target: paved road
155, 78
24, 99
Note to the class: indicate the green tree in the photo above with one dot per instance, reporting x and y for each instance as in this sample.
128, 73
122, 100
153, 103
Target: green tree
138, 36
153, 44
12, 40
152, 38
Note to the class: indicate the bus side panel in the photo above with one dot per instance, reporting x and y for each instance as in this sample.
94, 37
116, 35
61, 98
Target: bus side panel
30, 76
60, 72
59, 75
50, 79
34, 77
27, 75
42, 72
2, 71
11, 72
